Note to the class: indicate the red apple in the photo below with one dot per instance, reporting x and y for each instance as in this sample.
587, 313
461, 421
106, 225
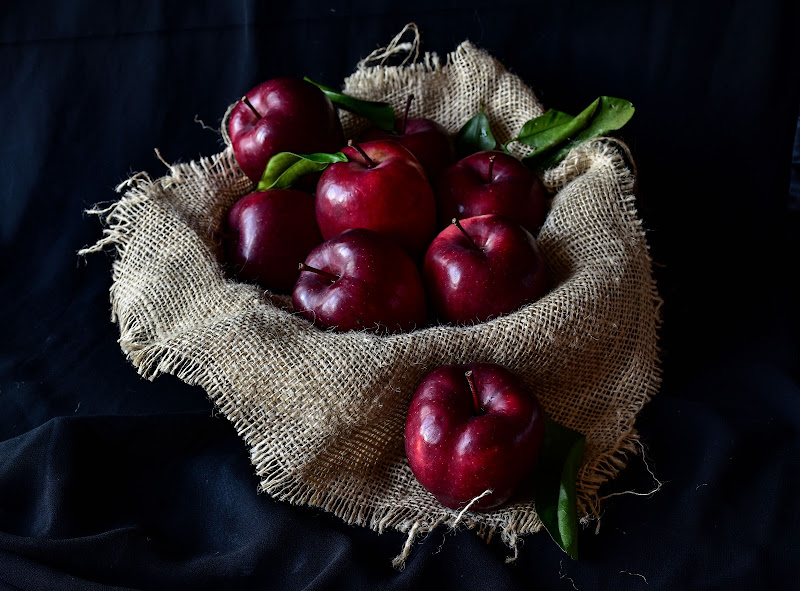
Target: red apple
282, 115
359, 280
268, 234
483, 267
427, 140
382, 188
471, 429
491, 182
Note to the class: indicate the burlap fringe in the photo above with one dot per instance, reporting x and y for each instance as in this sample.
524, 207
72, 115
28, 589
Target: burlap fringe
154, 359
120, 222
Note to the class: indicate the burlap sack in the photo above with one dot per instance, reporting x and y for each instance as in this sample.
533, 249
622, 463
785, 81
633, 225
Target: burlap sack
323, 413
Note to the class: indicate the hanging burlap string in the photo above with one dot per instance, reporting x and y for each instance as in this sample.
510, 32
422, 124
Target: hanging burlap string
323, 413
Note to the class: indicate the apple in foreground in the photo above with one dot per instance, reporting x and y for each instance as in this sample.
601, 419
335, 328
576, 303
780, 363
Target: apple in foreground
426, 139
359, 280
491, 182
483, 267
383, 188
471, 429
267, 233
282, 115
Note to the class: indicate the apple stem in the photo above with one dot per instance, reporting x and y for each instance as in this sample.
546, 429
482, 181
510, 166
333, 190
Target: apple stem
458, 225
405, 114
332, 276
491, 168
352, 144
247, 102
471, 383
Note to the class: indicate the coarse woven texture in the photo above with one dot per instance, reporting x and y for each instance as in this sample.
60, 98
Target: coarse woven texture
323, 413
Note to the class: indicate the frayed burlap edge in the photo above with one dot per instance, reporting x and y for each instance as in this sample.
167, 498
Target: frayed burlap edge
151, 359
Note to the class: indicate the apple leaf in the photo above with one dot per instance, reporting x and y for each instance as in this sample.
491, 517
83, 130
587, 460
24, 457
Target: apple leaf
379, 114
554, 134
612, 114
552, 128
475, 136
556, 473
284, 168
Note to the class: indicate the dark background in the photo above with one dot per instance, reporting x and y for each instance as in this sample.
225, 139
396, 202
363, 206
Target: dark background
111, 481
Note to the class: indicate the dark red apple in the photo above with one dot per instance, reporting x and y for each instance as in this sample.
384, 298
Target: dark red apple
268, 233
491, 182
282, 115
383, 188
426, 139
483, 267
471, 429
359, 280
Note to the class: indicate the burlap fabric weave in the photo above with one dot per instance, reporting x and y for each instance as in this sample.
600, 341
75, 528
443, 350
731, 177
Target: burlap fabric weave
323, 413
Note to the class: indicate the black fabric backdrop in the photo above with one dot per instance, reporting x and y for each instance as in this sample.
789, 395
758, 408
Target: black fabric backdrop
111, 481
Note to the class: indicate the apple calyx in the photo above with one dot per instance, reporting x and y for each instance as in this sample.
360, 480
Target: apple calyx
458, 225
250, 106
490, 178
332, 277
370, 162
402, 129
479, 410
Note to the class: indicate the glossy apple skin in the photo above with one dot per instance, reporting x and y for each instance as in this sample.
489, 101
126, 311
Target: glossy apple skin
268, 234
379, 288
428, 141
465, 190
456, 451
392, 198
467, 284
296, 116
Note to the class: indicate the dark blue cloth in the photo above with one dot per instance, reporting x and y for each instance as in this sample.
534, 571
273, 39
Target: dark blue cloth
108, 481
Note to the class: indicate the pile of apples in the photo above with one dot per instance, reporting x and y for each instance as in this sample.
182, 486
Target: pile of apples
396, 234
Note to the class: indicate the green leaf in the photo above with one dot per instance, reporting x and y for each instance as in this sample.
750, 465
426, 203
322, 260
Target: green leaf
552, 128
475, 136
610, 114
556, 473
380, 114
284, 168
